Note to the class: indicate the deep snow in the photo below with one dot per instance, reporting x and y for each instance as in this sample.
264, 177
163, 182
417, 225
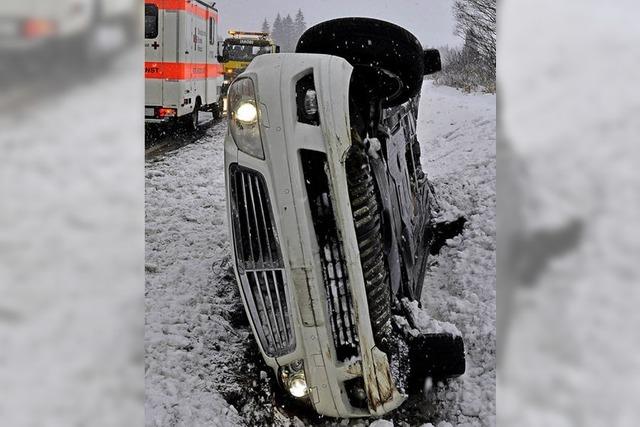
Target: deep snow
458, 133
197, 345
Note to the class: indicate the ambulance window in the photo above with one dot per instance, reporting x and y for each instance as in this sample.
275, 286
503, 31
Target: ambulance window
212, 31
150, 21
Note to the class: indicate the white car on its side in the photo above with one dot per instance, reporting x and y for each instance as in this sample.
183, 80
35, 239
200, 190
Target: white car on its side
330, 214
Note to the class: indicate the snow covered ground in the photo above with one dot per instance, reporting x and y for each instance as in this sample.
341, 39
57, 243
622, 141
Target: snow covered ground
458, 133
197, 347
188, 342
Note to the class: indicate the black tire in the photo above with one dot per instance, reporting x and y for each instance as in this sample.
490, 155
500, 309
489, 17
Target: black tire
366, 216
191, 120
436, 356
216, 109
373, 45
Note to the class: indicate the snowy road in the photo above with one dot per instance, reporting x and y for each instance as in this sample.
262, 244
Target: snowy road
198, 349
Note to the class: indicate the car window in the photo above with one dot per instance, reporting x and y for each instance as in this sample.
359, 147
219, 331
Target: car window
150, 21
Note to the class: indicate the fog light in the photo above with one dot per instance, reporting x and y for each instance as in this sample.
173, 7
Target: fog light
247, 113
293, 379
311, 102
298, 385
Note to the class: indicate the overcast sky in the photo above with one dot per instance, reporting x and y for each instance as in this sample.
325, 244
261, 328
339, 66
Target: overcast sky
430, 20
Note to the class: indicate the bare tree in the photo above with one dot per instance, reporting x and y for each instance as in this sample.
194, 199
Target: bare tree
476, 22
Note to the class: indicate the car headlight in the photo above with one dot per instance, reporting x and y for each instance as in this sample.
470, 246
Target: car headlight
293, 379
243, 117
246, 113
298, 385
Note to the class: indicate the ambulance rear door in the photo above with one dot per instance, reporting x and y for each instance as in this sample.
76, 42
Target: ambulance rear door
173, 42
213, 68
197, 54
153, 55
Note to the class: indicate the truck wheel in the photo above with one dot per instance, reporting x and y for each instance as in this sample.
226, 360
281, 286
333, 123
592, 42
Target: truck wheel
216, 109
366, 217
191, 120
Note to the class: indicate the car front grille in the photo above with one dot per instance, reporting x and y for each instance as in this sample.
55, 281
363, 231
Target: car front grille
259, 261
336, 282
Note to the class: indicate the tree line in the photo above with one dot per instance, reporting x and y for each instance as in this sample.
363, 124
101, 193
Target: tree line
473, 66
286, 31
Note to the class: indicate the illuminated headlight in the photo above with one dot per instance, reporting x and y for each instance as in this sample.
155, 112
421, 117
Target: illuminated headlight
247, 113
294, 380
243, 117
311, 102
298, 385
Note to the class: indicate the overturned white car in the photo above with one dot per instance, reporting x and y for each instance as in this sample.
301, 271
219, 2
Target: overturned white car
330, 214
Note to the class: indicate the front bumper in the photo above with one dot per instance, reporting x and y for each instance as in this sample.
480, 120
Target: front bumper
302, 325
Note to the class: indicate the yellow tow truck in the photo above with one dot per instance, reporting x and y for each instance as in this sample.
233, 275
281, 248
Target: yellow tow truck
238, 51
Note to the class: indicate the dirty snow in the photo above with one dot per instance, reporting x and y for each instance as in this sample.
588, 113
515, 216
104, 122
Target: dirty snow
424, 323
193, 346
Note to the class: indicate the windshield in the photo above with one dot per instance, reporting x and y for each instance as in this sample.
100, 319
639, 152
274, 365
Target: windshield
240, 52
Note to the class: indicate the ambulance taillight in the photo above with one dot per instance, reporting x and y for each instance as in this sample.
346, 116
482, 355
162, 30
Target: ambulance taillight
167, 112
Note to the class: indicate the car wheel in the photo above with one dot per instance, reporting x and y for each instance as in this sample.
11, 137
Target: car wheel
217, 110
388, 55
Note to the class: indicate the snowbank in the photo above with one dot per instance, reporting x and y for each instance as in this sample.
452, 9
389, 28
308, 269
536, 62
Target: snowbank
189, 344
458, 133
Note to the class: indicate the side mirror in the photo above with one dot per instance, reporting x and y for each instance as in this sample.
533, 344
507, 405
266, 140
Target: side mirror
432, 62
220, 54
